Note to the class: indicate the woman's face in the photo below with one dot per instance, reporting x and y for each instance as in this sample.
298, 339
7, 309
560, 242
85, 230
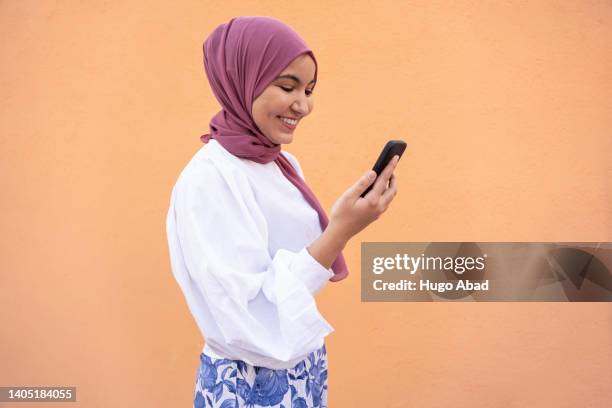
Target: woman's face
277, 111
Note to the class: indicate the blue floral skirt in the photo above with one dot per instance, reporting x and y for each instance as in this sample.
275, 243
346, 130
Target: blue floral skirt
228, 383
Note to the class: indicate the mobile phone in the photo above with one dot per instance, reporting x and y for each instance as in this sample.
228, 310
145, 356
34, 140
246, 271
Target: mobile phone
392, 148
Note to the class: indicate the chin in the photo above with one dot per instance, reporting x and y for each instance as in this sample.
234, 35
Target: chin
283, 139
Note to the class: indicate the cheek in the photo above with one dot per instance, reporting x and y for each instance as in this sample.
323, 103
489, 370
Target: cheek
269, 106
260, 118
264, 115
279, 104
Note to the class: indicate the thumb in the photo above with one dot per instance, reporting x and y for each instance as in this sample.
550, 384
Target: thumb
362, 184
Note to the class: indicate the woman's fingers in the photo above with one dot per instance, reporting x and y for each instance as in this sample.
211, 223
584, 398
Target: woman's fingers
362, 184
382, 181
389, 193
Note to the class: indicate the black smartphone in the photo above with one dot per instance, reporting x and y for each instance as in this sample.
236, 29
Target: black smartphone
392, 148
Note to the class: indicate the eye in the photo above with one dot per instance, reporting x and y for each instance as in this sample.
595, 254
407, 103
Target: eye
308, 92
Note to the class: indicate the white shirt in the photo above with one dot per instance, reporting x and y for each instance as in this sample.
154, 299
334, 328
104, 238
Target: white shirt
237, 234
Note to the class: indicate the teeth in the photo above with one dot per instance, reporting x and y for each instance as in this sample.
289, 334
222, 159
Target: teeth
292, 122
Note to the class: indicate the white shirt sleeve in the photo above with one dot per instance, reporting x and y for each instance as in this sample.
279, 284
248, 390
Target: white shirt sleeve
223, 238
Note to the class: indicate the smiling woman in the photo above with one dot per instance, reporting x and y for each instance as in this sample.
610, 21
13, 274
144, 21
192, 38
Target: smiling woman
243, 263
250, 244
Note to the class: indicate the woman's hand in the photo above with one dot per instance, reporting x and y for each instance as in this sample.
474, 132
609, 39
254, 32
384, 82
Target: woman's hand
351, 213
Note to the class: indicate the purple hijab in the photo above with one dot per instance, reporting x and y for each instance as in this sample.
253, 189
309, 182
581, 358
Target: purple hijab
241, 58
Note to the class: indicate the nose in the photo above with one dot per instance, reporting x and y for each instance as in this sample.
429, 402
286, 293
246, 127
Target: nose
300, 105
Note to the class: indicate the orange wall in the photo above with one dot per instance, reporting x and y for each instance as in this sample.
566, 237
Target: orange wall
506, 110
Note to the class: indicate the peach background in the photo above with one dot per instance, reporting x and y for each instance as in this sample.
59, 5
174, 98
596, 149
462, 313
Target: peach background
506, 110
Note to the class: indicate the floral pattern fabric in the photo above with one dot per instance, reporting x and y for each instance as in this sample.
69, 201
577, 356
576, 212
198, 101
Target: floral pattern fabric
224, 383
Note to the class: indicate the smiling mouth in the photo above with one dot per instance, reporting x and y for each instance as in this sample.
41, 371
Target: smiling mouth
288, 122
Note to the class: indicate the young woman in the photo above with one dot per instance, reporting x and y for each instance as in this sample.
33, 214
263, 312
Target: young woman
250, 245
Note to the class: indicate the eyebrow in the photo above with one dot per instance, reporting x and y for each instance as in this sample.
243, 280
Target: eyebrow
296, 79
